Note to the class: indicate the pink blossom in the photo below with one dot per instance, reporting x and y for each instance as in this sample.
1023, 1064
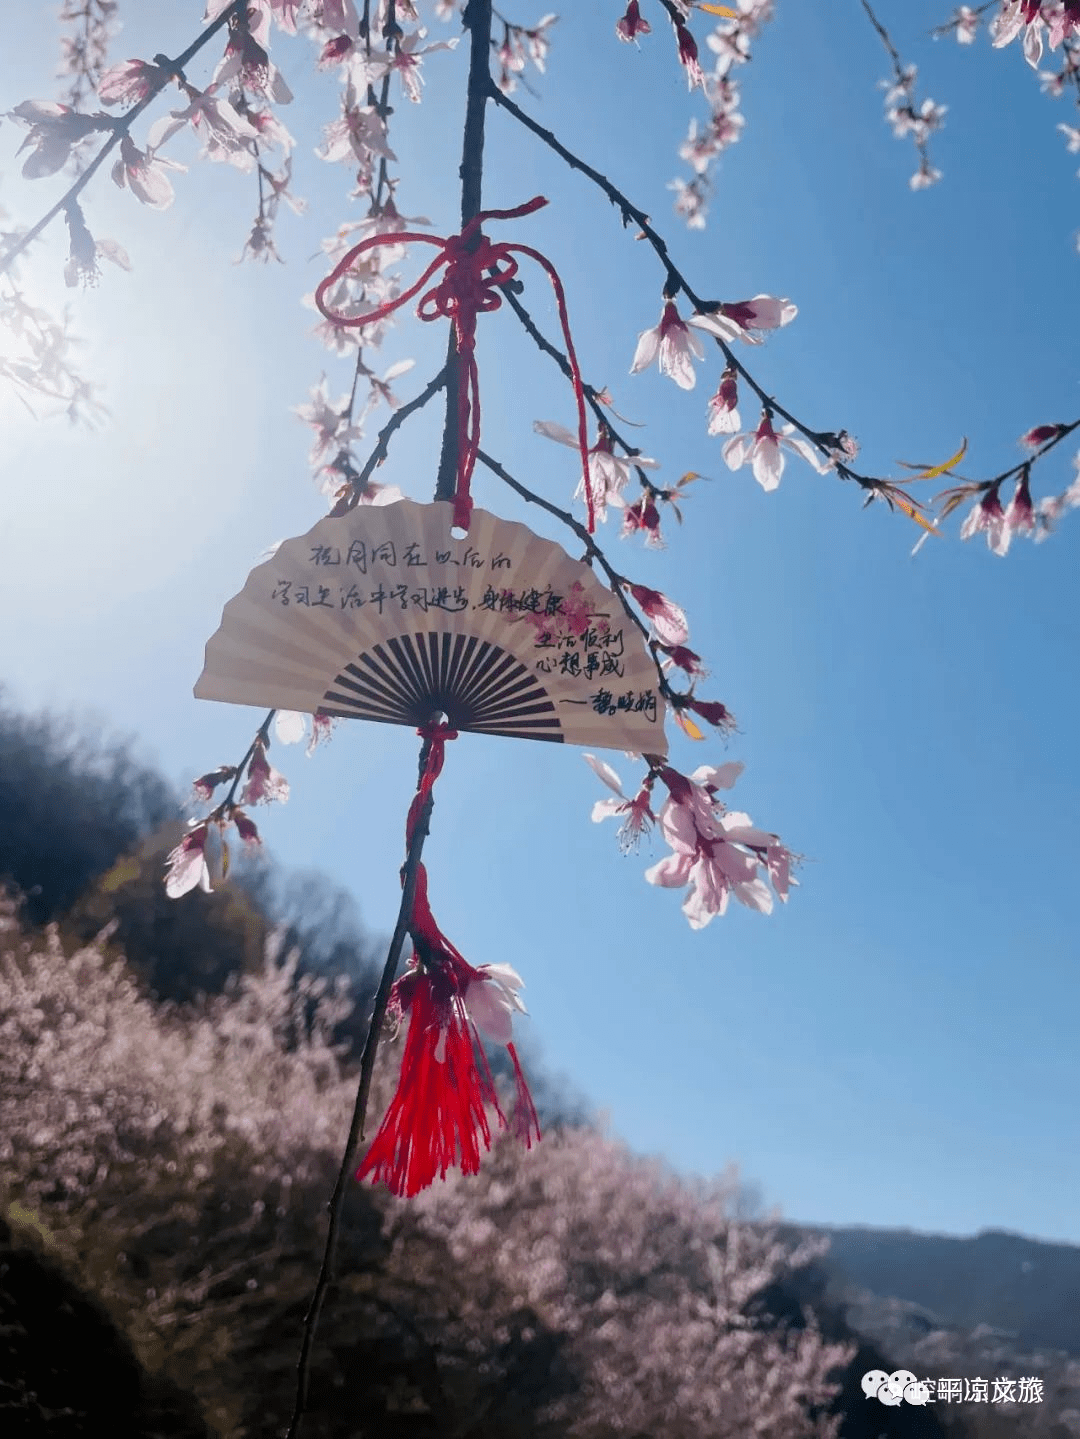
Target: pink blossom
1020, 513
264, 784
966, 24
608, 472
141, 172
688, 56
1017, 15
129, 82
322, 727
1051, 507
330, 421
740, 319
762, 448
988, 515
379, 387
637, 812
723, 416
632, 25
226, 134
55, 130
491, 998
716, 853
643, 518
356, 137
712, 711
668, 620
246, 63
674, 344
406, 60
683, 659
186, 865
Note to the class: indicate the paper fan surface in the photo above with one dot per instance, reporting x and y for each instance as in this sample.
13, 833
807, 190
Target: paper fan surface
381, 614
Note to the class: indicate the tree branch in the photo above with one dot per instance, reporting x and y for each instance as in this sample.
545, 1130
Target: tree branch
477, 20
121, 126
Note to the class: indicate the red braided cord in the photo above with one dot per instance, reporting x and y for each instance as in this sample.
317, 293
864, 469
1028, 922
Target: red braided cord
464, 292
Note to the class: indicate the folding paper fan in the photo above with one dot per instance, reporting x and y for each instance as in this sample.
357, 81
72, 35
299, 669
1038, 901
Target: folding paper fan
381, 614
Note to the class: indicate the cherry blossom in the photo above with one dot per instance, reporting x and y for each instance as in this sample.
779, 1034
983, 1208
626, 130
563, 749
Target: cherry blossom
141, 172
358, 136
632, 25
1020, 513
643, 517
1051, 507
682, 658
723, 416
764, 448
667, 618
405, 61
608, 473
379, 386
637, 813
717, 853
1033, 17
987, 515
55, 130
688, 57
246, 62
129, 82
264, 784
491, 998
673, 344
186, 865
333, 429
744, 319
85, 251
226, 134
966, 24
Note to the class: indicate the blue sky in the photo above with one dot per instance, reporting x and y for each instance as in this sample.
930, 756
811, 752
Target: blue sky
897, 1045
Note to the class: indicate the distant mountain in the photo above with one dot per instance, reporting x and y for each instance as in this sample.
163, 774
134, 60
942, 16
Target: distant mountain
1026, 1287
997, 1305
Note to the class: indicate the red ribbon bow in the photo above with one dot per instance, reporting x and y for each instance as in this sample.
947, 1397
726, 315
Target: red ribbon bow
476, 270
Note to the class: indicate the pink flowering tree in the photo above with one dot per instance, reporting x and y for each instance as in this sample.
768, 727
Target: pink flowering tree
116, 122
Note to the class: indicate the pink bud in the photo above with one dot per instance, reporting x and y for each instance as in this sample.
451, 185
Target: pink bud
1040, 434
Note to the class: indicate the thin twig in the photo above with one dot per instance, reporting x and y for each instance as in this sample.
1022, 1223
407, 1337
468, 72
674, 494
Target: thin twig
359, 478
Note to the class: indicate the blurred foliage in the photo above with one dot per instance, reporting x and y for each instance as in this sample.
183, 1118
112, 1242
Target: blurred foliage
71, 802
